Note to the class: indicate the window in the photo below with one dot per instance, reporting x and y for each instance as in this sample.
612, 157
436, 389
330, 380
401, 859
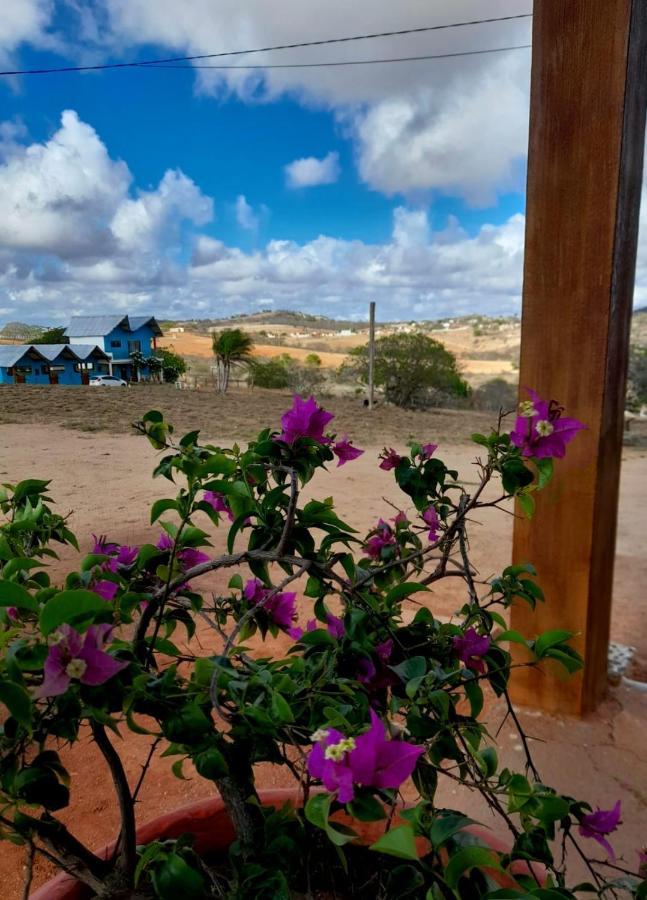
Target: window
115, 343
36, 371
134, 346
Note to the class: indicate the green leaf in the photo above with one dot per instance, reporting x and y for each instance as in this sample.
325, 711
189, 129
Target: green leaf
17, 701
211, 764
544, 471
76, 608
515, 637
469, 858
29, 488
527, 504
366, 808
446, 826
280, 709
489, 760
415, 667
218, 464
399, 841
400, 591
549, 639
161, 506
317, 811
13, 594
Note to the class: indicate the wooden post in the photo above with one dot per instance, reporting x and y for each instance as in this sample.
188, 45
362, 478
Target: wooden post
371, 353
587, 126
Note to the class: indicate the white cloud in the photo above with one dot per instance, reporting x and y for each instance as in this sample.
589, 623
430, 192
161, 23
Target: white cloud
245, 215
310, 171
23, 21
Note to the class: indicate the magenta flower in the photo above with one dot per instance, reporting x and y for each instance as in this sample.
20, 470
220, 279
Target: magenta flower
428, 450
430, 517
540, 429
106, 589
165, 542
305, 419
400, 519
599, 823
217, 502
334, 626
101, 545
187, 557
390, 459
12, 613
382, 538
280, 608
370, 760
377, 678
345, 451
469, 647
81, 658
126, 556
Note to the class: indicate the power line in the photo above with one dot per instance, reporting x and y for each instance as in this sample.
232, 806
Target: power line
153, 63
346, 62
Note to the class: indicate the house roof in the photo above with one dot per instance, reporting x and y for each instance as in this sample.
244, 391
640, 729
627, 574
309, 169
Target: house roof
79, 351
93, 326
138, 321
10, 354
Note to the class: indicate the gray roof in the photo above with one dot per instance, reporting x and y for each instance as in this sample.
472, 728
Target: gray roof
93, 326
80, 351
10, 354
137, 322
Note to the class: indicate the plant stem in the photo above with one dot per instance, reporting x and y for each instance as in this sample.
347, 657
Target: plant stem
126, 846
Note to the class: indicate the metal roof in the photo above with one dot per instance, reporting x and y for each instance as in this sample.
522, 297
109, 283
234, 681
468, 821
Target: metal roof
137, 322
10, 354
93, 326
80, 351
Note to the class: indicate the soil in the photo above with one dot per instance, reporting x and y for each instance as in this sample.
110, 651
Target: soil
101, 474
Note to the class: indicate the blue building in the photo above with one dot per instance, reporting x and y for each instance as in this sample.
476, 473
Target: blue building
119, 337
51, 363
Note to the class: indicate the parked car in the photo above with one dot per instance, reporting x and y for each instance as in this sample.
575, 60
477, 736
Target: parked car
107, 381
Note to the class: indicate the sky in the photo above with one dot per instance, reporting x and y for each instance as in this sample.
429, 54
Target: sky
194, 193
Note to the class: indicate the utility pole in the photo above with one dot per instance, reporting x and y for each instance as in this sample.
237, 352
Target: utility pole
371, 352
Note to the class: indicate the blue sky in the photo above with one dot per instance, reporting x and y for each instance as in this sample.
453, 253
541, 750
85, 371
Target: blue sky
171, 192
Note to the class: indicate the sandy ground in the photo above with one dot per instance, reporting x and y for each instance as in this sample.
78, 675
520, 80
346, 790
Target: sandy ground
103, 479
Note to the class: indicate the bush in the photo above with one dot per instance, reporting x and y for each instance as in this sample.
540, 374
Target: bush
270, 374
495, 394
173, 365
637, 377
285, 373
412, 369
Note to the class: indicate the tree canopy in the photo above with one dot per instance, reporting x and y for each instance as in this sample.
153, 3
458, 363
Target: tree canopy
412, 369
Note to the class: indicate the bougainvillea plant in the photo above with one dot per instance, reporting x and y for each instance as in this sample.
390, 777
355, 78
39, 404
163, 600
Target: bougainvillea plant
374, 695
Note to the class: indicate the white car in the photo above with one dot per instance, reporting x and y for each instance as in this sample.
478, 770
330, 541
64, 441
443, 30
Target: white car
107, 381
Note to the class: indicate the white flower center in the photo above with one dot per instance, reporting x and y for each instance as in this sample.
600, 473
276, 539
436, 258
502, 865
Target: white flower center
526, 409
544, 428
337, 751
76, 668
55, 638
319, 735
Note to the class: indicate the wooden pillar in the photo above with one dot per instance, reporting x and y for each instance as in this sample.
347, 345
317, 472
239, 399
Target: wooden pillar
587, 126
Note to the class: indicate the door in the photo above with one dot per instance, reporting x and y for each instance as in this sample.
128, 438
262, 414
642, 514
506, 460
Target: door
53, 377
85, 378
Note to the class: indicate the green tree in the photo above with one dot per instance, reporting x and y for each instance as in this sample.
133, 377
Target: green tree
173, 365
273, 373
413, 370
313, 359
231, 347
495, 394
52, 336
637, 377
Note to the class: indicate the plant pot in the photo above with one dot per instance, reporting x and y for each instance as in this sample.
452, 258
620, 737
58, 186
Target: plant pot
209, 823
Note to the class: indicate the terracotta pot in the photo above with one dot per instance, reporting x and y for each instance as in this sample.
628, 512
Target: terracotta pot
210, 825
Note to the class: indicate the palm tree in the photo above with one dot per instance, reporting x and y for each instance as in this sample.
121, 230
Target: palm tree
231, 347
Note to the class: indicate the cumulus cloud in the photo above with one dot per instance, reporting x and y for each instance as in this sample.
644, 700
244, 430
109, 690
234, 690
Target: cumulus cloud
310, 171
245, 215
24, 21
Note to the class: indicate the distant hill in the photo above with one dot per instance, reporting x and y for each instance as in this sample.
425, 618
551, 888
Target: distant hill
20, 331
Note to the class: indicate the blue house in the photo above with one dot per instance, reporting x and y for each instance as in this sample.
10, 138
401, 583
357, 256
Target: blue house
119, 337
51, 363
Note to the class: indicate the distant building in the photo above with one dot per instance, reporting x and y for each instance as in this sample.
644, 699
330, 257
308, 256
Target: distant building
51, 363
176, 329
119, 337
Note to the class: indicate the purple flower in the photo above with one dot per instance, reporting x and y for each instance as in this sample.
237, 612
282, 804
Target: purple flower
281, 607
430, 518
376, 678
428, 450
469, 647
335, 626
106, 589
101, 545
126, 556
74, 657
540, 429
345, 451
400, 519
382, 538
370, 760
187, 557
305, 419
642, 863
390, 459
12, 613
217, 502
596, 824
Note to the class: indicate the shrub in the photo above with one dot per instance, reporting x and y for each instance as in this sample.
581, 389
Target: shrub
413, 370
366, 695
173, 365
495, 394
